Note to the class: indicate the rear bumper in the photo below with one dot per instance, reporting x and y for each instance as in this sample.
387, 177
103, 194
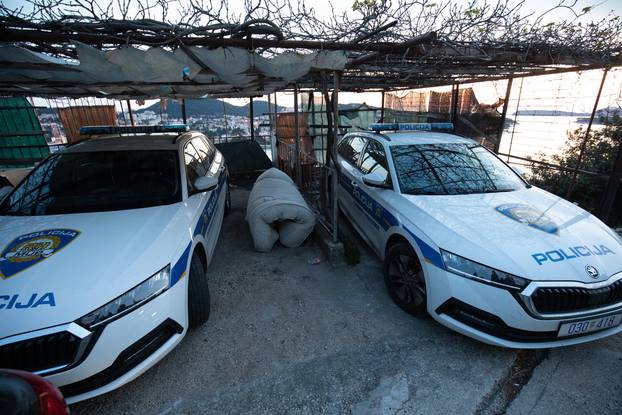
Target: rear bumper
495, 316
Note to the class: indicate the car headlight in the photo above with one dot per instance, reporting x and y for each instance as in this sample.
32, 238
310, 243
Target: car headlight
143, 292
476, 271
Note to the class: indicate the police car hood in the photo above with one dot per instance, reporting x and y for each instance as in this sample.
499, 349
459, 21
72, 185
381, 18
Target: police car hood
73, 264
528, 232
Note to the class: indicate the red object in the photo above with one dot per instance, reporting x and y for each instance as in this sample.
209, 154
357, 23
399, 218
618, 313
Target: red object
51, 401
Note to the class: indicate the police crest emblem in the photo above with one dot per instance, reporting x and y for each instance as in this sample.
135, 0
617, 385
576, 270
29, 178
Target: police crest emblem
30, 249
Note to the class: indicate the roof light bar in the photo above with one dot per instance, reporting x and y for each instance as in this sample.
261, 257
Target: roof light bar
138, 129
411, 126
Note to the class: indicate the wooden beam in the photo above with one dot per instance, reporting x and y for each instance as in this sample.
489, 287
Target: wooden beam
455, 96
504, 113
382, 107
37, 36
251, 114
129, 110
298, 167
335, 179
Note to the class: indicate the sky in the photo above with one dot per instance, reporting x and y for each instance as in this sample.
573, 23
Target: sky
601, 9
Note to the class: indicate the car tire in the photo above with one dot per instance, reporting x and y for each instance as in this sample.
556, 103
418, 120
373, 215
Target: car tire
404, 279
198, 293
228, 199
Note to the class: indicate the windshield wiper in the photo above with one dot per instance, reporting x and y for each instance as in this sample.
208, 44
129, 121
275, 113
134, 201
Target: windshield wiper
499, 191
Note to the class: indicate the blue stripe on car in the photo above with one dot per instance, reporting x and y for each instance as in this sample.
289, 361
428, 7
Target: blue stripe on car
381, 216
208, 212
374, 210
179, 269
430, 254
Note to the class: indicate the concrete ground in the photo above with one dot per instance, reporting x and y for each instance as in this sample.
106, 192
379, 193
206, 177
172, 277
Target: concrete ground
285, 336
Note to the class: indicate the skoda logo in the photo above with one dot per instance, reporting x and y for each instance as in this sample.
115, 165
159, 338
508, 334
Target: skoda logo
591, 271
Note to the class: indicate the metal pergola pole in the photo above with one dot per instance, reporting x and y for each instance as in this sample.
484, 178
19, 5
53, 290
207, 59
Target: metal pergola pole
271, 120
251, 114
129, 110
297, 167
382, 108
224, 112
312, 134
275, 145
454, 105
520, 95
335, 181
504, 113
573, 178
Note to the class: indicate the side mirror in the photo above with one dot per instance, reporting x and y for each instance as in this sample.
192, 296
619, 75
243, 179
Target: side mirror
520, 171
206, 183
375, 180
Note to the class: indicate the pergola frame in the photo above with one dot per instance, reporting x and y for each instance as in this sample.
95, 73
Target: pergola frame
422, 61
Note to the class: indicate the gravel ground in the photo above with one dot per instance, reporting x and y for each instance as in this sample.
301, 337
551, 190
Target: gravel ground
288, 337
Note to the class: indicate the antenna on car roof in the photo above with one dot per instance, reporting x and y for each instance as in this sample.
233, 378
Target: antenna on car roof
412, 126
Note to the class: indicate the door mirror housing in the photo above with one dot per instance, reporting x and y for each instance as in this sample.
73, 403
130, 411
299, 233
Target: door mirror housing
205, 183
375, 180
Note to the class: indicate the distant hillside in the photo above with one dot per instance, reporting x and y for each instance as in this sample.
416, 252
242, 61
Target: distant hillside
556, 113
208, 107
550, 113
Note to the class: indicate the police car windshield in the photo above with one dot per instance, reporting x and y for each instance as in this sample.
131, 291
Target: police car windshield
97, 181
451, 168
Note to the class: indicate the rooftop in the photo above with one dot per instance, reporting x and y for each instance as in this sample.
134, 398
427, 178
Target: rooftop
423, 137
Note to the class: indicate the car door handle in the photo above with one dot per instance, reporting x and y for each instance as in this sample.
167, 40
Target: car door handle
354, 184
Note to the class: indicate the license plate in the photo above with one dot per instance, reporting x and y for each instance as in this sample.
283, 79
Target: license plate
587, 326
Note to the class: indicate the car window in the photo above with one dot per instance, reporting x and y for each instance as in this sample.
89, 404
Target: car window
195, 168
351, 151
211, 149
79, 182
451, 168
206, 152
343, 148
374, 160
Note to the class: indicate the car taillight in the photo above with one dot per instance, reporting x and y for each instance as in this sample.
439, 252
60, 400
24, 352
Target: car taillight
51, 401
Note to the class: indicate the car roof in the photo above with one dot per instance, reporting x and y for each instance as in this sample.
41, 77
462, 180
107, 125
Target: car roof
424, 137
129, 142
414, 137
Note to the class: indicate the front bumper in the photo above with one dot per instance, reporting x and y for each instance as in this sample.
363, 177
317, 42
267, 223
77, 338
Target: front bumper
499, 317
115, 354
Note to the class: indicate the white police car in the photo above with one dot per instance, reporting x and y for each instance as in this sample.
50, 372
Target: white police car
465, 239
104, 251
